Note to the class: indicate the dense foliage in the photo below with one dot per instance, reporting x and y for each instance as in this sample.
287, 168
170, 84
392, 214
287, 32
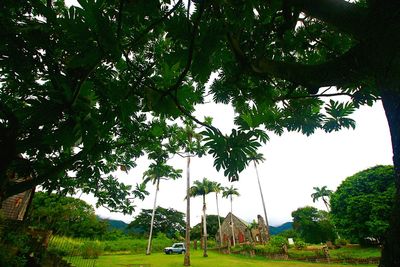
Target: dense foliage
168, 221
212, 227
363, 203
313, 225
65, 216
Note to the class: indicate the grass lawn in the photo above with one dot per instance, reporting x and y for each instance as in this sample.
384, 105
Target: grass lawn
197, 260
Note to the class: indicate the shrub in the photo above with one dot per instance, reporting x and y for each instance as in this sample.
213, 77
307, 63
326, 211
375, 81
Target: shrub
91, 249
340, 242
276, 244
300, 244
15, 244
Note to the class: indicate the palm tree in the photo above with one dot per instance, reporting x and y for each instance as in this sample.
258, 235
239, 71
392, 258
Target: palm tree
191, 142
230, 192
322, 193
217, 188
157, 171
202, 188
257, 158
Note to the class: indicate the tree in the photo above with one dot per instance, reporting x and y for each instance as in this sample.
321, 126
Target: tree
167, 221
190, 142
202, 188
103, 71
257, 158
322, 193
68, 118
313, 225
65, 216
157, 171
212, 227
363, 203
230, 192
217, 188
291, 54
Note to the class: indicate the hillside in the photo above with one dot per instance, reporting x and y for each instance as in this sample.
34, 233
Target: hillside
115, 224
274, 230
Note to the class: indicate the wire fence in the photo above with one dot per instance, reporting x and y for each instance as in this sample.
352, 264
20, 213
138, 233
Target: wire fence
75, 252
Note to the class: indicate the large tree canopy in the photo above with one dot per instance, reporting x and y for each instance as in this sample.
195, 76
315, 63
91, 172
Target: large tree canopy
313, 225
85, 90
362, 204
167, 221
65, 216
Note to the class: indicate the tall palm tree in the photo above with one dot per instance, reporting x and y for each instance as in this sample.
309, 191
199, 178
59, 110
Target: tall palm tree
217, 188
190, 140
230, 192
157, 171
322, 193
202, 188
257, 158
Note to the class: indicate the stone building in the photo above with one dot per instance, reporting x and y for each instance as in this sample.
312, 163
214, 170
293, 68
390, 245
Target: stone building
242, 231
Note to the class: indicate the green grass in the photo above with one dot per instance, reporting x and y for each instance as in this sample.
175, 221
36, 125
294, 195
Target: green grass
214, 260
355, 252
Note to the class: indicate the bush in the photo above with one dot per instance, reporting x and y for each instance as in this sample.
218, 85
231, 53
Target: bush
340, 242
15, 243
300, 244
276, 244
211, 243
92, 249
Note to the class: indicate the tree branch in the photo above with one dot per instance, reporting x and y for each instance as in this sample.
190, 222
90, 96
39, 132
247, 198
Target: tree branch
18, 187
343, 70
119, 19
312, 96
347, 17
156, 22
190, 56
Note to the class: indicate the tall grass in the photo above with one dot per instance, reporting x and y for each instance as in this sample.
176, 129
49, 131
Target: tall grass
67, 246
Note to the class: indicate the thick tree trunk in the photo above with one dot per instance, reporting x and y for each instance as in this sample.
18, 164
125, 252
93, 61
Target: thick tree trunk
391, 247
219, 222
263, 203
186, 261
148, 251
204, 227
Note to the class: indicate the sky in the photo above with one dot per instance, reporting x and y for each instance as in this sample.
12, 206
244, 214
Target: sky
294, 165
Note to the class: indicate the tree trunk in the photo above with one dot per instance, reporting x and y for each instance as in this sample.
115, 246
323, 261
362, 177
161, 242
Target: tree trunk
219, 222
233, 231
186, 261
263, 203
391, 245
204, 227
148, 251
326, 204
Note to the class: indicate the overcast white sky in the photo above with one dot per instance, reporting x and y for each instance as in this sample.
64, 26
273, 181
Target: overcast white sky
295, 164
